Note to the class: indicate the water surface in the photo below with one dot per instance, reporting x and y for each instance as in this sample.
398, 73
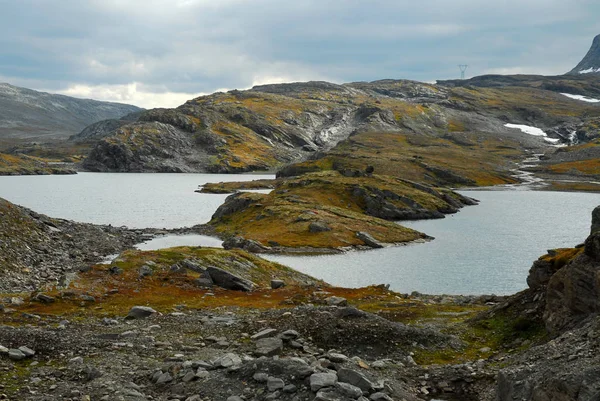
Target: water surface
483, 249
480, 250
121, 199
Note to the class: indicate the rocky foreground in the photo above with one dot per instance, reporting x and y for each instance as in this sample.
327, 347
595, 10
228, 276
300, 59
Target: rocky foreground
213, 324
36, 250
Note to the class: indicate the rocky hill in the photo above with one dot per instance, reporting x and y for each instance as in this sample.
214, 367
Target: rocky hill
28, 114
270, 126
591, 62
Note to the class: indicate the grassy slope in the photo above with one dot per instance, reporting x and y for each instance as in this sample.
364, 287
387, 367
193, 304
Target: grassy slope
478, 158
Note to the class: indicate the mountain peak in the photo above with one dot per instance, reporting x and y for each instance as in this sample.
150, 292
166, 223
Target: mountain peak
591, 62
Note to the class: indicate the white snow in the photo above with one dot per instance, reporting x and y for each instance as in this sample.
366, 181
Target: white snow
527, 129
533, 131
589, 70
582, 98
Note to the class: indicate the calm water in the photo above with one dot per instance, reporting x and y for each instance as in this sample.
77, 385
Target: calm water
132, 200
480, 250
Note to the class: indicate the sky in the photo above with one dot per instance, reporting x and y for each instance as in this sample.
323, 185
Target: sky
160, 53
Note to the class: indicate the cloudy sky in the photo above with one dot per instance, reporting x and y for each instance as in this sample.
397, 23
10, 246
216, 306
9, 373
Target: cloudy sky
159, 53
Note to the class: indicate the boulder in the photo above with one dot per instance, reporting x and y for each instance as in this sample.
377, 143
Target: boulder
275, 284
274, 384
245, 244
356, 379
140, 312
368, 239
146, 271
289, 335
349, 390
28, 352
318, 227
320, 380
16, 355
268, 346
263, 334
44, 298
204, 280
228, 360
228, 280
336, 301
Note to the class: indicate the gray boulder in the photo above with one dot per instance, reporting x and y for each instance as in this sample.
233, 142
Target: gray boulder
146, 271
28, 352
330, 394
43, 298
275, 284
16, 355
289, 335
268, 346
318, 227
228, 360
140, 312
245, 244
204, 280
274, 384
349, 390
320, 380
356, 379
263, 334
228, 280
336, 301
368, 239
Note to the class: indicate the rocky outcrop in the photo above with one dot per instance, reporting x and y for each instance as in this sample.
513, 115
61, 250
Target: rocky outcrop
103, 128
565, 286
36, 250
573, 292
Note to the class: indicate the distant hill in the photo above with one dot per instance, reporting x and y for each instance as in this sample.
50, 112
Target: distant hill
591, 62
28, 114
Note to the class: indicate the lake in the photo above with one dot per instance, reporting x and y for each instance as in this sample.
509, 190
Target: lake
480, 250
483, 249
121, 199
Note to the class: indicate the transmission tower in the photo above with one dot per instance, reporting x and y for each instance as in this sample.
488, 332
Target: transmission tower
463, 68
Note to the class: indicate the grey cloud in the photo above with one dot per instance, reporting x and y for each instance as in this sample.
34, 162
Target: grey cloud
200, 45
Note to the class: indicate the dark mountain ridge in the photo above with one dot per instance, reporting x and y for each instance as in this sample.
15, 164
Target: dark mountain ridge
29, 114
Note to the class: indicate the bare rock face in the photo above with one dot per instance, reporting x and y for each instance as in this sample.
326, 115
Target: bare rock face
573, 292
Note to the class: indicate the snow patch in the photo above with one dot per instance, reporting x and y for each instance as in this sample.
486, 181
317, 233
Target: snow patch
582, 98
533, 131
527, 129
589, 70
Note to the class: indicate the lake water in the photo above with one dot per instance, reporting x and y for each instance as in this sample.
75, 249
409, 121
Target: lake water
480, 250
483, 249
121, 199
